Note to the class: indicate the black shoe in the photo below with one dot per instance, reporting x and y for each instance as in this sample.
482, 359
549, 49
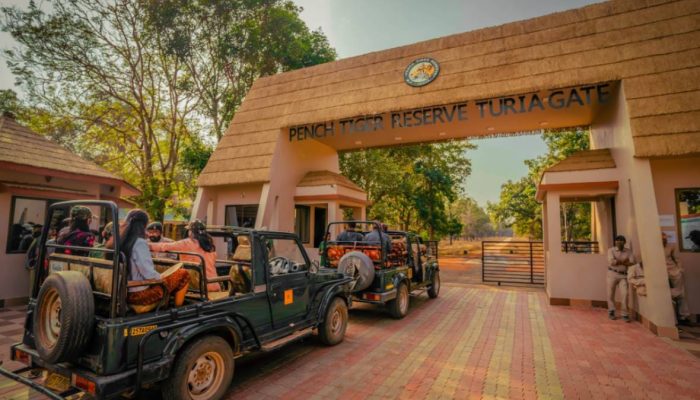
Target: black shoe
626, 318
611, 315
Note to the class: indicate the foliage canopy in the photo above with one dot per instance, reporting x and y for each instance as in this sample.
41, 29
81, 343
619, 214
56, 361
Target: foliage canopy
517, 206
412, 186
139, 85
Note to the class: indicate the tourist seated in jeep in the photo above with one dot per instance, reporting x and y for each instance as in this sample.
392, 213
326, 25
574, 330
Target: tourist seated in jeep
198, 241
379, 236
350, 233
78, 232
141, 267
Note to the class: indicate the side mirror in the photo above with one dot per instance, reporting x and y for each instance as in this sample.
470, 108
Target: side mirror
315, 265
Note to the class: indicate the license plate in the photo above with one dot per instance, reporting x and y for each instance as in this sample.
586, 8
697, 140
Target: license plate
57, 382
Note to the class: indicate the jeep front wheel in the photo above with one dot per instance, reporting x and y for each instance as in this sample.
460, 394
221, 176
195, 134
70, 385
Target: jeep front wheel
398, 308
203, 371
434, 289
332, 330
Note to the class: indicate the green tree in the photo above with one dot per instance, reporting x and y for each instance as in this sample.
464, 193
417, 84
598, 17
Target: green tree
9, 102
97, 62
130, 84
411, 186
226, 44
517, 206
475, 221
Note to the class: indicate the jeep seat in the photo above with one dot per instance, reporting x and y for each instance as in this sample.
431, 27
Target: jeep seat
102, 269
241, 273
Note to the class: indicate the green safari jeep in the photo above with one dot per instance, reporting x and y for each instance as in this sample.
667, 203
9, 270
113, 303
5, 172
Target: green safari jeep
385, 268
81, 336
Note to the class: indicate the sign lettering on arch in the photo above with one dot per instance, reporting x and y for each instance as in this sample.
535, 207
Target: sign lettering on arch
499, 107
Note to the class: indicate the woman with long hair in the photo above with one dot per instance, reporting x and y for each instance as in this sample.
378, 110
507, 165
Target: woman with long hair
198, 241
132, 235
78, 232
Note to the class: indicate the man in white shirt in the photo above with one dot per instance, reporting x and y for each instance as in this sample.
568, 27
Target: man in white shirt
619, 259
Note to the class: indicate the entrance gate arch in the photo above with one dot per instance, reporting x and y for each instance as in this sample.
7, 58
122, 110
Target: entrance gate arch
627, 68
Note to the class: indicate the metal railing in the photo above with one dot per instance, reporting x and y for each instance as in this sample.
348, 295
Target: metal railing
512, 262
580, 247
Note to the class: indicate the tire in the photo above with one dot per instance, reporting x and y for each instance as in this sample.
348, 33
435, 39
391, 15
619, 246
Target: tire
64, 316
203, 371
332, 330
358, 266
434, 289
398, 308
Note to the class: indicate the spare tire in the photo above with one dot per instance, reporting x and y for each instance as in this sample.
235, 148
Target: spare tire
358, 266
64, 316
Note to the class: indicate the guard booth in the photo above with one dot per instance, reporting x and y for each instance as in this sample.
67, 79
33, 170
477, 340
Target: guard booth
577, 269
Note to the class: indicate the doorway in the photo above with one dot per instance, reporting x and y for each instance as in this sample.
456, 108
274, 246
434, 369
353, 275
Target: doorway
320, 222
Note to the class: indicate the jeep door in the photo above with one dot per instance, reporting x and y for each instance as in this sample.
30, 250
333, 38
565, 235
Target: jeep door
288, 283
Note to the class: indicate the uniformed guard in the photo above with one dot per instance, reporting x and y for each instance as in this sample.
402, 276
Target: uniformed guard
619, 259
676, 279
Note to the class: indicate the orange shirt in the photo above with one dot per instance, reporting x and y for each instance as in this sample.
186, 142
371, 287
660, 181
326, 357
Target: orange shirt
191, 246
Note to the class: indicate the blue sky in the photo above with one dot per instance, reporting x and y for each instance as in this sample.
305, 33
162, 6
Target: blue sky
362, 26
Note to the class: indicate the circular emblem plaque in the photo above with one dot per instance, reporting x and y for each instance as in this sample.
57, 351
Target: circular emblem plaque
421, 72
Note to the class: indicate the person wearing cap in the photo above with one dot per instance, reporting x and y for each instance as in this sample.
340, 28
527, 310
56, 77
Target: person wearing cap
154, 230
77, 233
675, 278
620, 258
350, 233
198, 241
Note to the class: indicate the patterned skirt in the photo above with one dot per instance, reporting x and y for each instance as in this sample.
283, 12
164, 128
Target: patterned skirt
175, 282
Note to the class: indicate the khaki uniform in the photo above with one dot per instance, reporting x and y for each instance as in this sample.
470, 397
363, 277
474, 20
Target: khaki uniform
676, 279
617, 277
635, 278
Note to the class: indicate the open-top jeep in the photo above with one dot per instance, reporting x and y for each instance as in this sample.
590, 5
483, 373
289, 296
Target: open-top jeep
81, 335
385, 268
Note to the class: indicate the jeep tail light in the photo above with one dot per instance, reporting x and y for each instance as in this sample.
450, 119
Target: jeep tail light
83, 383
22, 357
372, 296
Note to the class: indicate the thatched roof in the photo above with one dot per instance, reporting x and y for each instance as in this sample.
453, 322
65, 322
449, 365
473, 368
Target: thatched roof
321, 178
584, 160
20, 146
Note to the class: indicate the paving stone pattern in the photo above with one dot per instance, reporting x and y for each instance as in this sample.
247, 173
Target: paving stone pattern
473, 342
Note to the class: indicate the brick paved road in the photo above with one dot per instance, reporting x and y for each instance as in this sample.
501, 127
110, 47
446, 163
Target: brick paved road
472, 342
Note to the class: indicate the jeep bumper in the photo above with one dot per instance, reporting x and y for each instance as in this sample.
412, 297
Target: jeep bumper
375, 297
82, 380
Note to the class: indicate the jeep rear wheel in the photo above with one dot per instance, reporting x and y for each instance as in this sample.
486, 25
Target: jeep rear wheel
203, 371
63, 317
434, 289
332, 330
398, 308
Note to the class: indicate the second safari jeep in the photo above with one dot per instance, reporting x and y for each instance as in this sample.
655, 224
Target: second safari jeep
384, 271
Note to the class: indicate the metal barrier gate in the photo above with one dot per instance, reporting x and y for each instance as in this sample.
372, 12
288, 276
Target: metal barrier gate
512, 262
